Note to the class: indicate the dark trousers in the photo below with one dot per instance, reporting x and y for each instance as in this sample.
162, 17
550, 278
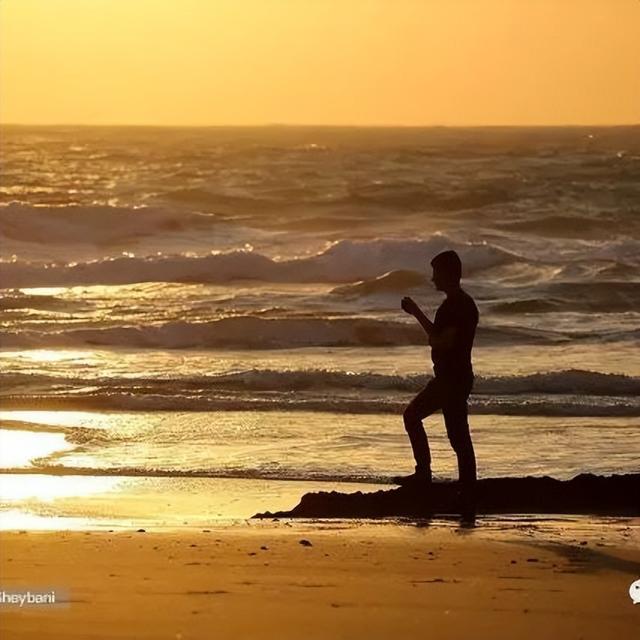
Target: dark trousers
450, 395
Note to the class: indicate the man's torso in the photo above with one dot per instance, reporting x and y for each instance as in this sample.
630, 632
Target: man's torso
460, 312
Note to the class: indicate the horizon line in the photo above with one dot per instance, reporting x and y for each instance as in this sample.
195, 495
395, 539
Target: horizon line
320, 125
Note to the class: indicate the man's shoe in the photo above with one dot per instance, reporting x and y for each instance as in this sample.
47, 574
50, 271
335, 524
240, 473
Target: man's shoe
417, 479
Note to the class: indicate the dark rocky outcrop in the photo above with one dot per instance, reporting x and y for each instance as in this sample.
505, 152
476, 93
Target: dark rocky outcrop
584, 494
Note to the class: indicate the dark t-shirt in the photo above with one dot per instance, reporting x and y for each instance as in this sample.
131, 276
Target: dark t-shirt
459, 311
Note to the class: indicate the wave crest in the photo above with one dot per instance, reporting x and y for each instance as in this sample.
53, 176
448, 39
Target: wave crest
567, 382
343, 261
512, 404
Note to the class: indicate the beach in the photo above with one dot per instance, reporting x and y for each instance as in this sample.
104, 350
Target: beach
511, 578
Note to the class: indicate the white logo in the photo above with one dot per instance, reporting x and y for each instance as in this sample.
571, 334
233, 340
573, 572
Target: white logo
634, 592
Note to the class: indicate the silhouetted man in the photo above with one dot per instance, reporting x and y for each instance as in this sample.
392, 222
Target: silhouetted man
451, 337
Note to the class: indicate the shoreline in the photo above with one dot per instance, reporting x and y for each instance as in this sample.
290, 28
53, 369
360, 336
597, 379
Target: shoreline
38, 501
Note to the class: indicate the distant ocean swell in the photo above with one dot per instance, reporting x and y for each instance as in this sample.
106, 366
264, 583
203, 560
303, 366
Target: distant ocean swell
101, 225
272, 333
383, 292
192, 209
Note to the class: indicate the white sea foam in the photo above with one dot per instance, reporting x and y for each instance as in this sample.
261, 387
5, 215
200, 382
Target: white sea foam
343, 261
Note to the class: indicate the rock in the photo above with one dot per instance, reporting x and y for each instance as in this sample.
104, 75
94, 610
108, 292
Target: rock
586, 493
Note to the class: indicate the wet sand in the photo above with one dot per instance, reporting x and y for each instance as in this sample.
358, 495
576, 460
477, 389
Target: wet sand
506, 578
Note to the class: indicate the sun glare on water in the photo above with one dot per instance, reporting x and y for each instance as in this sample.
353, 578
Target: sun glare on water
52, 418
19, 448
49, 355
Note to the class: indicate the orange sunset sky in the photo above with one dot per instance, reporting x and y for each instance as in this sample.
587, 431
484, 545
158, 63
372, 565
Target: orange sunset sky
361, 62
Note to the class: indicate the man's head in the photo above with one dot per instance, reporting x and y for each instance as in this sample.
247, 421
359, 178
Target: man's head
447, 270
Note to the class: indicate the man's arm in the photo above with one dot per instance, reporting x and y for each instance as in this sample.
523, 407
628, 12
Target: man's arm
425, 323
410, 306
439, 339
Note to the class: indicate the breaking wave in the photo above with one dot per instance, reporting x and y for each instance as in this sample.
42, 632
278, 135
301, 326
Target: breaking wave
343, 261
562, 393
391, 282
570, 381
508, 405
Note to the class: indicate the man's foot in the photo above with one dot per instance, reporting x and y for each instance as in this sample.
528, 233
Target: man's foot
417, 479
467, 501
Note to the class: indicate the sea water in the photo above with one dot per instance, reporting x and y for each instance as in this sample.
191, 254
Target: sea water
225, 302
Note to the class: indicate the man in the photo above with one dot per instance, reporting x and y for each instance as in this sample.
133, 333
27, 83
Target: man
451, 337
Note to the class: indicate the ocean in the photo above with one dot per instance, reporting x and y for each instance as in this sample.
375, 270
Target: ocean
225, 302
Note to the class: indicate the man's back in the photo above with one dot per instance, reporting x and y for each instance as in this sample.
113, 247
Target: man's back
458, 312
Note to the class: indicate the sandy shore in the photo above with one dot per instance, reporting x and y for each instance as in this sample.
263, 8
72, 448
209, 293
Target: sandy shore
519, 578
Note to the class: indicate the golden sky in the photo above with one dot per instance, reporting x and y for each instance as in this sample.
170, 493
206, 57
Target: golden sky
363, 62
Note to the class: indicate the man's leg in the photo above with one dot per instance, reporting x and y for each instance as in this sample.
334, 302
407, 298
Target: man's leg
424, 404
456, 420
